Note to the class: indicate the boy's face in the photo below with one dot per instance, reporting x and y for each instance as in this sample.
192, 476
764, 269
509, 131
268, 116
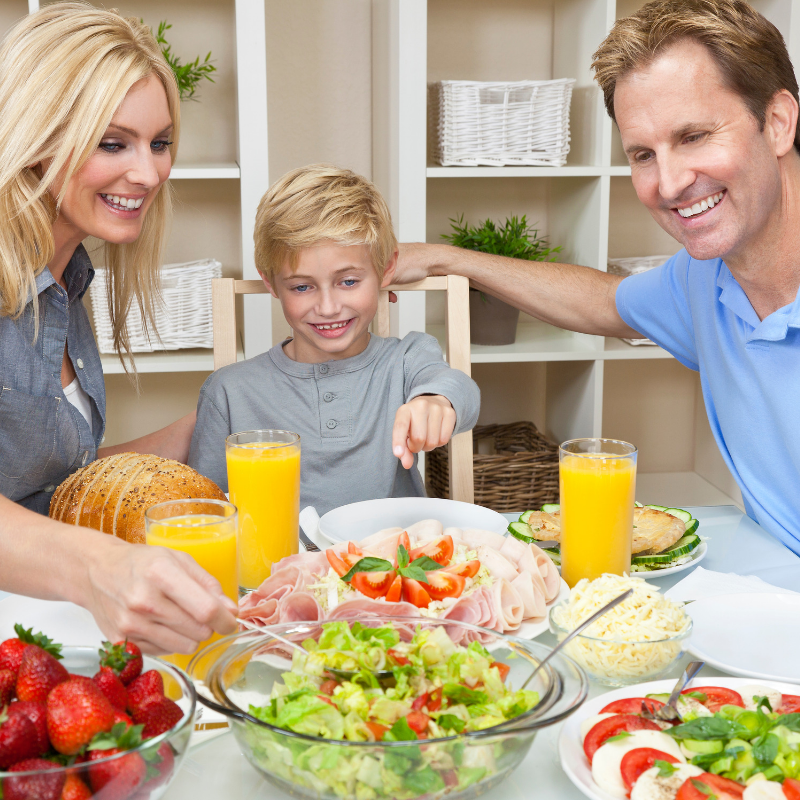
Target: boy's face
329, 301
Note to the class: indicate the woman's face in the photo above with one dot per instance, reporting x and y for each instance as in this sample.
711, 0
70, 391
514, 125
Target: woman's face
109, 196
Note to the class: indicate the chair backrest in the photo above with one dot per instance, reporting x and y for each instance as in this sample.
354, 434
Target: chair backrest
223, 299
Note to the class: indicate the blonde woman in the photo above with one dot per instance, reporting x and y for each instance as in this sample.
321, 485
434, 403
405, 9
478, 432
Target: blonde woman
89, 118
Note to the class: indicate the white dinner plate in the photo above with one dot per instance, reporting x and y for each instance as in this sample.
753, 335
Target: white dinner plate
530, 630
63, 622
699, 554
570, 750
756, 635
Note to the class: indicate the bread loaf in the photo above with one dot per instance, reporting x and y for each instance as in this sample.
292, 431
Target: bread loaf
112, 494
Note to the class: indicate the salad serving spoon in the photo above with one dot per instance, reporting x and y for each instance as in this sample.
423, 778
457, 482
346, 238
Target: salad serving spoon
670, 713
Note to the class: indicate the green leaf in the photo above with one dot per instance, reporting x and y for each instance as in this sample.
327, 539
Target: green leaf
621, 736
791, 721
368, 564
39, 639
426, 563
396, 762
189, 75
665, 769
402, 556
462, 694
401, 731
765, 751
762, 701
451, 722
704, 788
424, 781
701, 697
415, 573
705, 728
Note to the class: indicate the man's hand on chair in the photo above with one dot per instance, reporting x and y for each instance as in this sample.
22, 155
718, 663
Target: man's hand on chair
423, 423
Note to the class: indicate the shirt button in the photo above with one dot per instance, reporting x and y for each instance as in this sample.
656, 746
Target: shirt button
79, 362
331, 423
49, 488
85, 457
327, 397
323, 368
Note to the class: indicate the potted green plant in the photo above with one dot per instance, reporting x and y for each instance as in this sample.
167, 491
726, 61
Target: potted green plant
188, 75
491, 320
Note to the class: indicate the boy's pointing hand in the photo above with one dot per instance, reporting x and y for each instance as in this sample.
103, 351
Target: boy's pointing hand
423, 423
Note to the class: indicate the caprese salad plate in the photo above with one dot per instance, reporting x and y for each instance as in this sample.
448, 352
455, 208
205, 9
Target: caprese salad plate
740, 732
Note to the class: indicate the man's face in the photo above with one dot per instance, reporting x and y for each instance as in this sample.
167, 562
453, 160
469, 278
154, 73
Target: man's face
699, 162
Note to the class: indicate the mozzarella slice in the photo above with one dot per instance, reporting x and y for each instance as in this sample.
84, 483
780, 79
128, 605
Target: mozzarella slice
689, 708
607, 759
590, 722
764, 790
651, 786
756, 690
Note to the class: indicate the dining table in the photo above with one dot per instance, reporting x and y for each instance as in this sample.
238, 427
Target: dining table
215, 768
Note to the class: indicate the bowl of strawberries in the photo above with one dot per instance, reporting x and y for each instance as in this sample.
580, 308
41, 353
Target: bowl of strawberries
77, 723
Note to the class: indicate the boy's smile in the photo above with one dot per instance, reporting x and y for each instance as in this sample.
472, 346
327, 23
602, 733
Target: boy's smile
329, 301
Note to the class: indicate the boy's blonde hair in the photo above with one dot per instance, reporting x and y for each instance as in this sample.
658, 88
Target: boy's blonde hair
64, 71
320, 203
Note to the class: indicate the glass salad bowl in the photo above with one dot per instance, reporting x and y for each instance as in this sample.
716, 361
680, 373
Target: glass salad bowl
153, 764
236, 675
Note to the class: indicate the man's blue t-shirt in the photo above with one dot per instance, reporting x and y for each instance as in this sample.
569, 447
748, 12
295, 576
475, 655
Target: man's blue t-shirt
749, 371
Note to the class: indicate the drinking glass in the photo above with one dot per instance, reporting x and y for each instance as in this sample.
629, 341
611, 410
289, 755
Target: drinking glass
598, 486
264, 484
206, 530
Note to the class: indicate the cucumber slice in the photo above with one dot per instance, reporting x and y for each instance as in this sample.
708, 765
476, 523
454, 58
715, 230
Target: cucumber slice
525, 516
551, 508
684, 545
692, 526
662, 697
658, 508
638, 504
554, 553
653, 559
521, 531
679, 513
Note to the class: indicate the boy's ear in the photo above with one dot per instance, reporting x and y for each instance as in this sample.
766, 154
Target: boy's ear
268, 285
388, 273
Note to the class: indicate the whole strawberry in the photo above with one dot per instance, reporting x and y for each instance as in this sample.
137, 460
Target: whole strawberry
120, 777
8, 686
125, 658
121, 716
75, 788
37, 714
111, 686
157, 716
163, 761
39, 673
43, 786
11, 650
18, 739
76, 711
147, 687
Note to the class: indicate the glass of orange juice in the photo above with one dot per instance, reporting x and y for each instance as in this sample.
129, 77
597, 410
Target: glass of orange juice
206, 530
264, 484
598, 487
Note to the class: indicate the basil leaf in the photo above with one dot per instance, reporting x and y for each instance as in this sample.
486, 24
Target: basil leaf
765, 751
618, 737
451, 722
762, 701
368, 564
415, 573
401, 731
426, 563
402, 556
701, 697
665, 769
791, 721
705, 728
704, 788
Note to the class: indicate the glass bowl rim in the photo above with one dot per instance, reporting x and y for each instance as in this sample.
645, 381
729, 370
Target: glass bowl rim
187, 684
505, 729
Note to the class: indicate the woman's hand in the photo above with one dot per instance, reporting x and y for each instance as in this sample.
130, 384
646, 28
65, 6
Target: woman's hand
423, 423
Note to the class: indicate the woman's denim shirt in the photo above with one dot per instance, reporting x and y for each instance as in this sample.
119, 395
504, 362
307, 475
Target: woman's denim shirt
43, 437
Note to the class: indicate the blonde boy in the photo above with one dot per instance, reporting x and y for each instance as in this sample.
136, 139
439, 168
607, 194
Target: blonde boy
363, 406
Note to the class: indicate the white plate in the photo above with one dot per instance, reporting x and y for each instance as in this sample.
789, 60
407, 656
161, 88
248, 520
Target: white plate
356, 521
64, 623
570, 750
699, 554
756, 635
530, 630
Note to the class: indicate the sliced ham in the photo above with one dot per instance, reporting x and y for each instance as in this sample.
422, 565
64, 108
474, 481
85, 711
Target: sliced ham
474, 538
453, 533
282, 582
378, 537
386, 549
513, 549
497, 564
508, 604
315, 563
425, 530
300, 607
366, 607
531, 592
265, 612
536, 560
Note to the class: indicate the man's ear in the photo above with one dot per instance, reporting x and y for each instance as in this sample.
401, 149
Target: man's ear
782, 119
269, 285
388, 273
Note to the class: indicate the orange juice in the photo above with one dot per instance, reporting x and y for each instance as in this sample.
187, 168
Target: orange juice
264, 484
211, 540
597, 500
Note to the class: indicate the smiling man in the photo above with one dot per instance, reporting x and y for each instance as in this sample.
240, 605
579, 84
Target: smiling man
706, 102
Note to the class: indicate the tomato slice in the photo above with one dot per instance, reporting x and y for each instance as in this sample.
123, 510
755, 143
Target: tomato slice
791, 787
637, 761
440, 550
417, 721
631, 705
790, 704
377, 729
502, 668
435, 699
441, 585
339, 565
405, 541
327, 686
326, 700
450, 778
611, 726
398, 658
414, 593
722, 788
717, 696
419, 702
466, 569
354, 549
395, 590
373, 584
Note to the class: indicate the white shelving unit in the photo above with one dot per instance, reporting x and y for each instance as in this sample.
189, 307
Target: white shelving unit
587, 206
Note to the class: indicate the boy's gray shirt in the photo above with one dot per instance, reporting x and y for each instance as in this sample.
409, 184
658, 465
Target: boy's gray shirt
343, 411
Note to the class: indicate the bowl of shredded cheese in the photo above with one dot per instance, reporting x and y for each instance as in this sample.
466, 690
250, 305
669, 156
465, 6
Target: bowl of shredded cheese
637, 640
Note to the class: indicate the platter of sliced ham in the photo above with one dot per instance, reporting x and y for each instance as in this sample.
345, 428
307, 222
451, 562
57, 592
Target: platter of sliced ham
476, 576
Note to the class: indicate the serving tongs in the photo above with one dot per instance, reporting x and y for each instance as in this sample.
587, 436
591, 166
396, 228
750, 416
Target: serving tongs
670, 713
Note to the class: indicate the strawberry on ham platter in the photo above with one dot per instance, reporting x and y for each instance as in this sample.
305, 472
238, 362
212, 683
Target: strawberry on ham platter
474, 576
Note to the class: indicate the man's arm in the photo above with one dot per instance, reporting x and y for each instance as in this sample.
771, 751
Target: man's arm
170, 442
568, 296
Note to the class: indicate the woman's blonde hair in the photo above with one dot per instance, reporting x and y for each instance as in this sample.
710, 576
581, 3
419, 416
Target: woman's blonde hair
319, 203
64, 71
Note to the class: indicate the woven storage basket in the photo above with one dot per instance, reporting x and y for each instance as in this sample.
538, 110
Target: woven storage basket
522, 474
182, 320
498, 124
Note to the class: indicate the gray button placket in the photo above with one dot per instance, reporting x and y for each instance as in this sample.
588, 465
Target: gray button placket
333, 401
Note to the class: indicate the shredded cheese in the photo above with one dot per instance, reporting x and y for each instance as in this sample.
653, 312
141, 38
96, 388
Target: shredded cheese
643, 634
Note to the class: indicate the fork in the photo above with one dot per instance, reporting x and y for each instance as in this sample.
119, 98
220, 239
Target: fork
670, 713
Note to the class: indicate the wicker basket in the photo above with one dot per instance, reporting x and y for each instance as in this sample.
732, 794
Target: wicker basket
497, 124
182, 320
522, 474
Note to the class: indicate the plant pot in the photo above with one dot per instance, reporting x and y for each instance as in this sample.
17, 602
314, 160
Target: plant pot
491, 321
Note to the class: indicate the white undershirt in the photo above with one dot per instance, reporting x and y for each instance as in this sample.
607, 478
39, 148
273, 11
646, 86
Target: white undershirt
78, 397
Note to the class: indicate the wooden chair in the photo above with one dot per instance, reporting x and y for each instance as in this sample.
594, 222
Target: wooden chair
223, 298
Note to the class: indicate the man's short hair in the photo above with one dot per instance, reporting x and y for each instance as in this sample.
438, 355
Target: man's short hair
319, 203
748, 49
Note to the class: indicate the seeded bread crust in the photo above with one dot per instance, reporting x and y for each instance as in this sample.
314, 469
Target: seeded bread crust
112, 494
